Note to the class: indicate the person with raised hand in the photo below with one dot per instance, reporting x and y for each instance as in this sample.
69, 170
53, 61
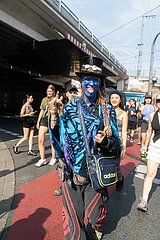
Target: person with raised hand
84, 208
71, 91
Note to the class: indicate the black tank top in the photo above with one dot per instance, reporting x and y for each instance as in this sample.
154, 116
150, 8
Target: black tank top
156, 127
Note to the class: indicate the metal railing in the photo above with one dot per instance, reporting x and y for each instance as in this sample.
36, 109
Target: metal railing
62, 9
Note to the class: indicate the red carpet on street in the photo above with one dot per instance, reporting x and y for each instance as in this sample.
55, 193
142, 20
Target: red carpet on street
38, 215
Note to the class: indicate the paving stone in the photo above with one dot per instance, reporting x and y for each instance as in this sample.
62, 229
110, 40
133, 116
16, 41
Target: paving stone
1, 187
2, 225
9, 164
8, 190
3, 146
7, 184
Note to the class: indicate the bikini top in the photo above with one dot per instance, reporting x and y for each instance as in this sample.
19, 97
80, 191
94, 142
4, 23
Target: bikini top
119, 121
119, 125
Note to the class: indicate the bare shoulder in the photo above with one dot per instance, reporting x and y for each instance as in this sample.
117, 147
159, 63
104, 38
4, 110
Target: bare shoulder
24, 106
124, 113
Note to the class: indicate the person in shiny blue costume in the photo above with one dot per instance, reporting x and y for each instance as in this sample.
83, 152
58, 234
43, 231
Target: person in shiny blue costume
84, 209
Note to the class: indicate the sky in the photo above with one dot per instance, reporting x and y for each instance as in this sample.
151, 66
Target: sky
118, 25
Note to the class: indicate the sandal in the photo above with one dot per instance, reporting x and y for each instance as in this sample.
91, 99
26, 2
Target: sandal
142, 206
15, 149
30, 152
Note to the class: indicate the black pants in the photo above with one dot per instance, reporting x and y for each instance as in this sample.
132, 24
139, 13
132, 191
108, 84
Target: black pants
82, 206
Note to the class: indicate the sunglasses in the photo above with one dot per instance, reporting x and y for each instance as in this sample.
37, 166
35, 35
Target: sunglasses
158, 100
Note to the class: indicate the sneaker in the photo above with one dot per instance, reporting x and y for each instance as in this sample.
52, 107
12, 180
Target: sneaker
32, 153
128, 137
120, 184
142, 206
96, 235
131, 140
139, 142
15, 149
41, 162
58, 192
52, 161
143, 155
99, 234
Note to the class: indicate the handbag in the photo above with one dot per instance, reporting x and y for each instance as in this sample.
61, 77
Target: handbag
102, 169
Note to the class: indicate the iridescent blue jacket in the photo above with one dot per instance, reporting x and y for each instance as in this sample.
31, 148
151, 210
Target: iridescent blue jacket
68, 140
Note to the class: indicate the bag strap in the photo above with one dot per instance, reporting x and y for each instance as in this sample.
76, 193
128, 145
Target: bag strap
106, 120
91, 165
82, 123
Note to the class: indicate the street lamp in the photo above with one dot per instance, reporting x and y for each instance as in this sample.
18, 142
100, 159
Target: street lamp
150, 84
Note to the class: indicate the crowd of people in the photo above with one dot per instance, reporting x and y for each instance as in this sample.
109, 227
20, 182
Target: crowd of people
152, 146
108, 127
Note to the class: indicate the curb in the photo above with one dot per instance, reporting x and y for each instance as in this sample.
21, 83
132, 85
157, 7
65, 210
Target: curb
7, 184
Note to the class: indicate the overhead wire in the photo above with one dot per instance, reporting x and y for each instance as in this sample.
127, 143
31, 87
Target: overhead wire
146, 61
122, 59
148, 53
135, 19
102, 24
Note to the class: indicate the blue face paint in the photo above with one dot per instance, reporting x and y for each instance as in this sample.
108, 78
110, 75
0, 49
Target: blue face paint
94, 83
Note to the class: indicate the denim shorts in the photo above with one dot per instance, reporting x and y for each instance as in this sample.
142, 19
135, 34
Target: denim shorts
144, 126
132, 125
44, 122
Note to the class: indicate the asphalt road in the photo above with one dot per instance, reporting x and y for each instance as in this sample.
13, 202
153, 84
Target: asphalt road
124, 222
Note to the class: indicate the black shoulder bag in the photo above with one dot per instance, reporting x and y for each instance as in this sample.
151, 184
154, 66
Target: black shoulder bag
102, 169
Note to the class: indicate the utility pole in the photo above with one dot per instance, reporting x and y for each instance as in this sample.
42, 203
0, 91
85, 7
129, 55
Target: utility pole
150, 85
140, 45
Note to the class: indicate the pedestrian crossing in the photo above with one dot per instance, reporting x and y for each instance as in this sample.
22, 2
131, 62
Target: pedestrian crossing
140, 172
13, 133
10, 132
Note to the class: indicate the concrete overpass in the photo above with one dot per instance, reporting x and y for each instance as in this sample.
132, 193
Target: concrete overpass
45, 41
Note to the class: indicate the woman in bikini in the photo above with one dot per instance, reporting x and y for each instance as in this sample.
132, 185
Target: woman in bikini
116, 100
27, 115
